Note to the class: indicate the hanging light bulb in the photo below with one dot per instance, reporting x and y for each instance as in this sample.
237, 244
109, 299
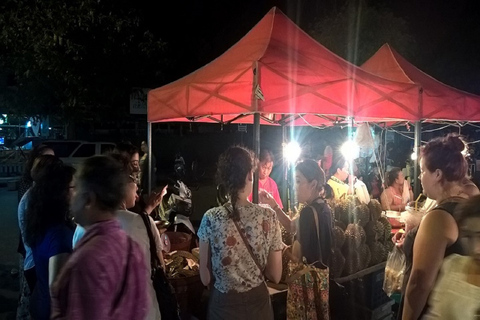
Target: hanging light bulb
350, 150
414, 155
292, 151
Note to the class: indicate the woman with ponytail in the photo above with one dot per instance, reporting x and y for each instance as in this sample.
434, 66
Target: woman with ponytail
240, 245
313, 243
443, 168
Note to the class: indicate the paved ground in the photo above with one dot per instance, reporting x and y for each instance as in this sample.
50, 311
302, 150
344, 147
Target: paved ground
8, 253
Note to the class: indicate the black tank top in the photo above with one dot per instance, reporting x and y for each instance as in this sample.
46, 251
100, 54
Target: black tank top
408, 249
315, 252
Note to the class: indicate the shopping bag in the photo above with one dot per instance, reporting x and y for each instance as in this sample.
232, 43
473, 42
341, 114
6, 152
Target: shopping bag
308, 292
394, 272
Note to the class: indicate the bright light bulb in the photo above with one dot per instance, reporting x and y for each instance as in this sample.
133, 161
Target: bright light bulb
413, 156
29, 124
1, 121
350, 150
291, 151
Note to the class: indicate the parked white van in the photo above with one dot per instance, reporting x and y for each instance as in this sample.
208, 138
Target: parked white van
73, 152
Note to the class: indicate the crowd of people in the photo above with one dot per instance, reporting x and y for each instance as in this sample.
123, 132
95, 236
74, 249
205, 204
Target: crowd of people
85, 254
87, 251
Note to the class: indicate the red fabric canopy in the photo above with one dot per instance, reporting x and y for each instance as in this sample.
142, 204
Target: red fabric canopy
278, 70
438, 101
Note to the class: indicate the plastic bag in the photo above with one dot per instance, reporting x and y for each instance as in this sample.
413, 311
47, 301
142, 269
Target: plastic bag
413, 214
394, 272
361, 192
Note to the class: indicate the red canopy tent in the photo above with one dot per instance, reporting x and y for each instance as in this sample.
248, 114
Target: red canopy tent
277, 74
438, 101
279, 71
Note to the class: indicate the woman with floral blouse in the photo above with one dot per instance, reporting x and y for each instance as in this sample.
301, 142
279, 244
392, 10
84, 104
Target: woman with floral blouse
240, 245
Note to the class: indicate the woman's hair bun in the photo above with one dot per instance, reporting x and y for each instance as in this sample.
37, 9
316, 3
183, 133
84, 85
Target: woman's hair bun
455, 142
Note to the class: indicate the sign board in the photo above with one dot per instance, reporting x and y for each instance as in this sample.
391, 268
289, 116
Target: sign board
138, 100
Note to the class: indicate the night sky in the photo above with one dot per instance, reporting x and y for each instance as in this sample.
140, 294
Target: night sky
447, 33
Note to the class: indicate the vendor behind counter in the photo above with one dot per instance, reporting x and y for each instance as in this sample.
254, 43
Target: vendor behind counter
340, 189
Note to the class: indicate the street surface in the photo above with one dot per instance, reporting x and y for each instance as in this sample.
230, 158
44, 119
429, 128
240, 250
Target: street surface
8, 253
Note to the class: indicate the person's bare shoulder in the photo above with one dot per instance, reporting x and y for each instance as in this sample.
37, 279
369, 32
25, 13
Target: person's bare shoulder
469, 188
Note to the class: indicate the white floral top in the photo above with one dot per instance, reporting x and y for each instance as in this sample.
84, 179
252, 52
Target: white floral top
233, 267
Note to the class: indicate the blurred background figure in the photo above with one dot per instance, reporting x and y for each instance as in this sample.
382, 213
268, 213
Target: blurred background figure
251, 250
144, 169
143, 203
28, 276
48, 231
106, 276
266, 183
374, 183
398, 193
340, 173
24, 184
26, 181
327, 159
456, 294
179, 166
132, 153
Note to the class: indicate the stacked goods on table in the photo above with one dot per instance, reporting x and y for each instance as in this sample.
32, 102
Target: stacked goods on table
182, 270
361, 236
181, 264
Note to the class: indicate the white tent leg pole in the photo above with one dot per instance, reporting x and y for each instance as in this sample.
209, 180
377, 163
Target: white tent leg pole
149, 139
418, 139
285, 172
256, 149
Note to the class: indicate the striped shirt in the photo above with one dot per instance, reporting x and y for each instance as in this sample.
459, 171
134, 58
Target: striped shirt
105, 278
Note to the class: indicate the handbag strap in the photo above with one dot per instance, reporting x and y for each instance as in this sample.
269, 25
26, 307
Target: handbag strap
307, 268
247, 244
315, 216
154, 260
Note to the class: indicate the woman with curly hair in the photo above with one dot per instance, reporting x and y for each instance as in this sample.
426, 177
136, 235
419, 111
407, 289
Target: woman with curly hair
240, 245
48, 231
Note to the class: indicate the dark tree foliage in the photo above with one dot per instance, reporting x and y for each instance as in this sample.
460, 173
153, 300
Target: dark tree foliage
358, 29
78, 59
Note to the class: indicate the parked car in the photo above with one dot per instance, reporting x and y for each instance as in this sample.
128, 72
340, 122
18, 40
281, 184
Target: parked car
73, 152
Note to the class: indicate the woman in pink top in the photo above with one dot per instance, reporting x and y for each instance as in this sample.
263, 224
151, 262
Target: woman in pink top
398, 193
266, 183
106, 276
